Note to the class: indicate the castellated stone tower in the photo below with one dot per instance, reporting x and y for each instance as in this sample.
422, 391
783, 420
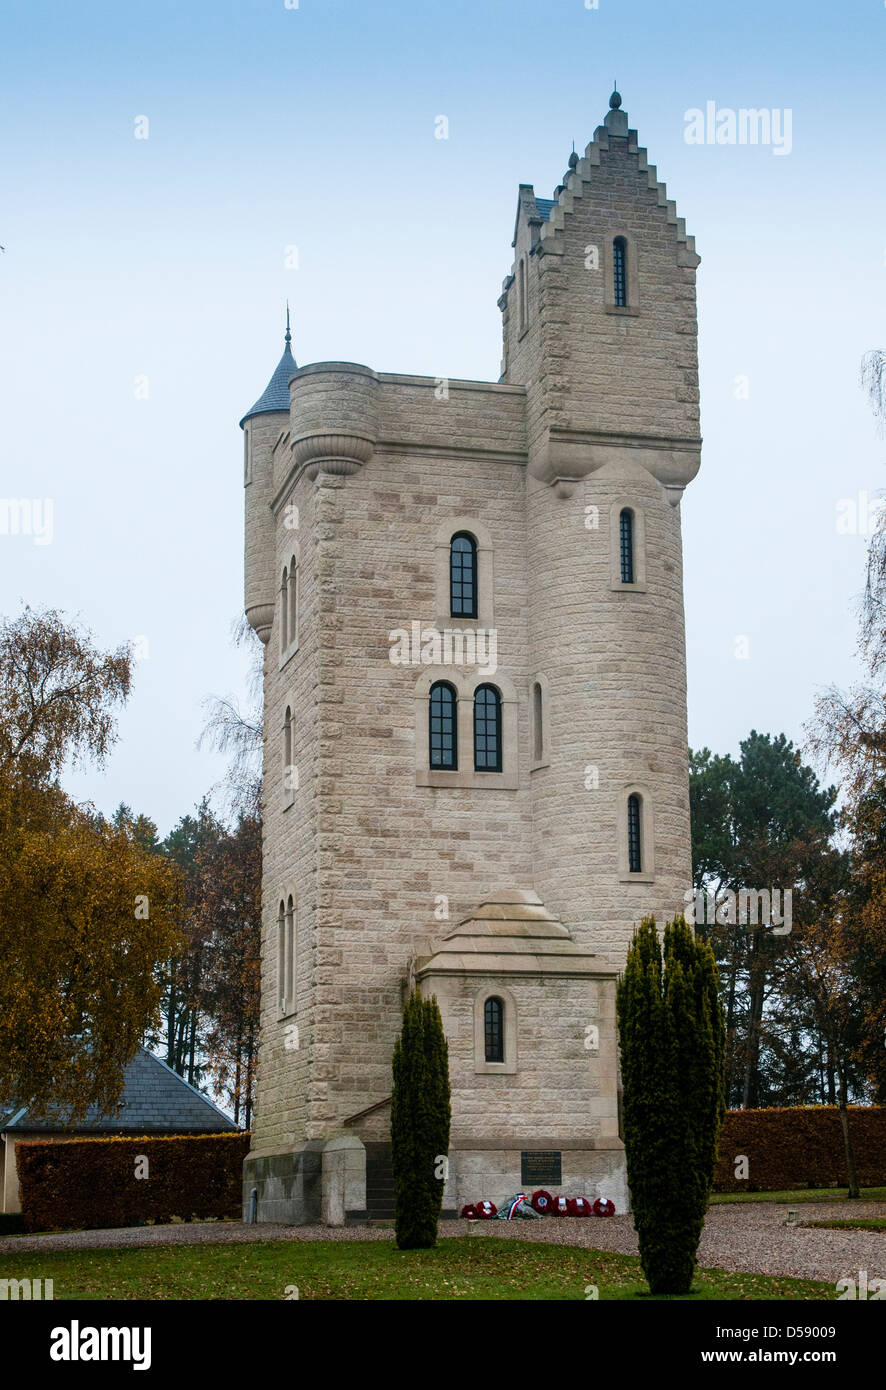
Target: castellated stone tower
475, 762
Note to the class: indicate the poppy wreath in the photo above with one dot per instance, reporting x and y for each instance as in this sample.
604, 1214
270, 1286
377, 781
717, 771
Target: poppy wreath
485, 1210
469, 1213
604, 1207
560, 1206
579, 1206
542, 1202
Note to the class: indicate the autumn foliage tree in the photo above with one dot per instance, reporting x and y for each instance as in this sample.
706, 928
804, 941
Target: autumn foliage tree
849, 732
86, 910
230, 916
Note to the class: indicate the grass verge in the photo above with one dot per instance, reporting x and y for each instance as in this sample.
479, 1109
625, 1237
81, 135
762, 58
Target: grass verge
458, 1269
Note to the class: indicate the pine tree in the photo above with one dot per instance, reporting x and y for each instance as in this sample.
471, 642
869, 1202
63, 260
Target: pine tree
420, 1118
672, 1046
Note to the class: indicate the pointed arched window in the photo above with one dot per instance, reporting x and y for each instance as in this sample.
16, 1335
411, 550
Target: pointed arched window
443, 726
626, 545
487, 729
635, 855
620, 272
493, 1028
463, 576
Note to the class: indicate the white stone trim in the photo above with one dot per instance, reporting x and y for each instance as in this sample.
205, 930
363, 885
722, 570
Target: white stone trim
647, 834
508, 1067
288, 792
285, 1003
485, 573
615, 511
289, 645
539, 757
633, 305
464, 684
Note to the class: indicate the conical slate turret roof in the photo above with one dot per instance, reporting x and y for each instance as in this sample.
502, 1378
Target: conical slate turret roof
276, 394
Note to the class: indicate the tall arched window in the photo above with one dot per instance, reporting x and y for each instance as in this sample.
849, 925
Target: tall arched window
284, 611
635, 855
463, 576
493, 1027
487, 729
287, 749
537, 730
281, 956
293, 601
620, 272
626, 545
443, 726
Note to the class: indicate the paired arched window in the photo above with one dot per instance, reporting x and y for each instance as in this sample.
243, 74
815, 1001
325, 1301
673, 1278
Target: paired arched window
463, 576
487, 729
635, 847
289, 605
620, 272
443, 726
493, 1029
286, 955
626, 545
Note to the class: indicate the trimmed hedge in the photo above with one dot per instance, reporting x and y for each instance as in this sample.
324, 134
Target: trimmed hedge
83, 1183
800, 1146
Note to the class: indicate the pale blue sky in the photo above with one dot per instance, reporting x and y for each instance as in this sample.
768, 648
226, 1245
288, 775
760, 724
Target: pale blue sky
314, 127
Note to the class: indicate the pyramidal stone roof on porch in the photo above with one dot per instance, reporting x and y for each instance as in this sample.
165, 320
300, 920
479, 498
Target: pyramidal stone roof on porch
155, 1099
512, 933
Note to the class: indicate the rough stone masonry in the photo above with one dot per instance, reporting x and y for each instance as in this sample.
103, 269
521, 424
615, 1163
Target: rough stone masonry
513, 888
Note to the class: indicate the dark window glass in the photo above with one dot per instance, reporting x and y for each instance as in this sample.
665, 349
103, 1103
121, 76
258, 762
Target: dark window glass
493, 1020
620, 271
635, 861
463, 576
443, 726
487, 729
626, 545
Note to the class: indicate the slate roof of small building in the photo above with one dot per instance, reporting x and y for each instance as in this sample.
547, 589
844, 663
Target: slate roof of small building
544, 206
276, 394
155, 1099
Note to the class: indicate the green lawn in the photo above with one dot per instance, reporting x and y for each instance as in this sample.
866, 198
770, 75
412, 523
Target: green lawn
803, 1194
860, 1223
465, 1267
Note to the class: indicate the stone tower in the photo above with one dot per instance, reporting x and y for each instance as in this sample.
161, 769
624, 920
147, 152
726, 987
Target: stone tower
475, 708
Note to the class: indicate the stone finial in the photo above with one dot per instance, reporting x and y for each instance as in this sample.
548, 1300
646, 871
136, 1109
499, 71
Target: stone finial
616, 120
573, 160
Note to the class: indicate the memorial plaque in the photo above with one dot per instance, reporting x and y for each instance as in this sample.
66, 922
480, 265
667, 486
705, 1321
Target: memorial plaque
539, 1167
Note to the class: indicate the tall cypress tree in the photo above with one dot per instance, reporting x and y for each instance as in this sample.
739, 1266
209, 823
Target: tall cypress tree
672, 1044
420, 1118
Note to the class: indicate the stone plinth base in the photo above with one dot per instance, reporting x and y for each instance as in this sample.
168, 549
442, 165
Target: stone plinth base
493, 1174
319, 1180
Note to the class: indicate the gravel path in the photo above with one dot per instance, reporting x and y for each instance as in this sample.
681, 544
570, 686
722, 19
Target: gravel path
748, 1236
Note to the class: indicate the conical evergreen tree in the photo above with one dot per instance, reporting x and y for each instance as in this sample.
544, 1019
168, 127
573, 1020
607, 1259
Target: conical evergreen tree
672, 1045
420, 1119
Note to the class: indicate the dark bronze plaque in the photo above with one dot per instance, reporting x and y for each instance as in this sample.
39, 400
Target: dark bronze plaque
540, 1166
